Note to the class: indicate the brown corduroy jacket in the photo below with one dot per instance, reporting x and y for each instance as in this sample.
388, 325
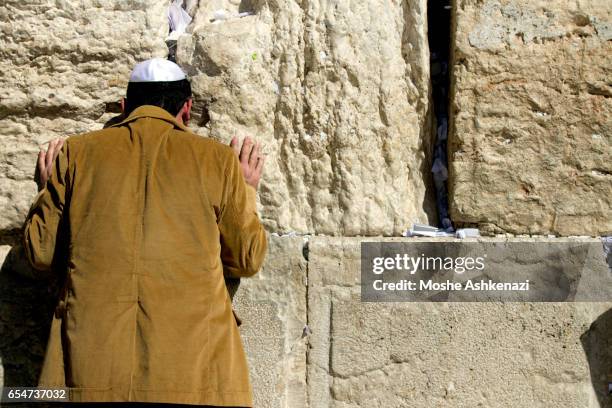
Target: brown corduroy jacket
147, 219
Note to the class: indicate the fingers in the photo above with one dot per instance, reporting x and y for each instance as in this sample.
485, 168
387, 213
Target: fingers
58, 148
56, 152
49, 156
42, 169
260, 163
251, 159
234, 145
245, 152
255, 175
255, 155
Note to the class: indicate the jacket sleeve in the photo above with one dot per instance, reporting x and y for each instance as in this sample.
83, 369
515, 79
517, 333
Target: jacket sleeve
42, 225
243, 238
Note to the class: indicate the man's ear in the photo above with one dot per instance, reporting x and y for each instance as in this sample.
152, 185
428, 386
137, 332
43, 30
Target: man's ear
122, 103
187, 110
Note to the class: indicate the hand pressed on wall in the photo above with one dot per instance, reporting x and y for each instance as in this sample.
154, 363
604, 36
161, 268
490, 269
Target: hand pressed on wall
251, 160
46, 160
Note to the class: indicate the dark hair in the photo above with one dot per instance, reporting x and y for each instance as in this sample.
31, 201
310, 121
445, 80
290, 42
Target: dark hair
167, 95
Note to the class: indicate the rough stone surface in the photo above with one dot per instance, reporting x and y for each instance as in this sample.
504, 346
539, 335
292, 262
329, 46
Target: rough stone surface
339, 94
530, 146
272, 306
64, 67
444, 354
355, 354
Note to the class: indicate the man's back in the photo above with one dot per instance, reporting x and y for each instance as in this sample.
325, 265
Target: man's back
153, 215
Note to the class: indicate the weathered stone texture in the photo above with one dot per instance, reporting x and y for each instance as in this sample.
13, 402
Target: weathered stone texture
442, 354
530, 146
272, 306
339, 94
64, 67
356, 354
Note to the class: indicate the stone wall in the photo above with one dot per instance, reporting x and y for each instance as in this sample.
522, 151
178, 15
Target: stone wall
63, 67
340, 94
445, 354
311, 342
530, 145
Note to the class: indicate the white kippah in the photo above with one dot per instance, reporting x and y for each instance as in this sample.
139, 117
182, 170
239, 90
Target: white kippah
157, 70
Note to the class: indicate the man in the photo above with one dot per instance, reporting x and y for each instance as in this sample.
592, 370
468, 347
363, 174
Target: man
147, 218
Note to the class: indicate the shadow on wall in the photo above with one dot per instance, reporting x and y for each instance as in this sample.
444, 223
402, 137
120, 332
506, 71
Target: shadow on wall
26, 307
597, 344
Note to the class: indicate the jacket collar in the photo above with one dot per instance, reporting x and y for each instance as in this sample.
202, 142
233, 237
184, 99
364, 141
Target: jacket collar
150, 111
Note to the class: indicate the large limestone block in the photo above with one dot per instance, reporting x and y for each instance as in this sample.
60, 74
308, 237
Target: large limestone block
530, 144
272, 306
63, 67
339, 94
445, 354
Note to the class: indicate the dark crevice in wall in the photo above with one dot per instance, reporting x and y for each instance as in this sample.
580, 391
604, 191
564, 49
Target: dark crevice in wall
439, 36
204, 116
247, 6
112, 107
307, 331
176, 21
